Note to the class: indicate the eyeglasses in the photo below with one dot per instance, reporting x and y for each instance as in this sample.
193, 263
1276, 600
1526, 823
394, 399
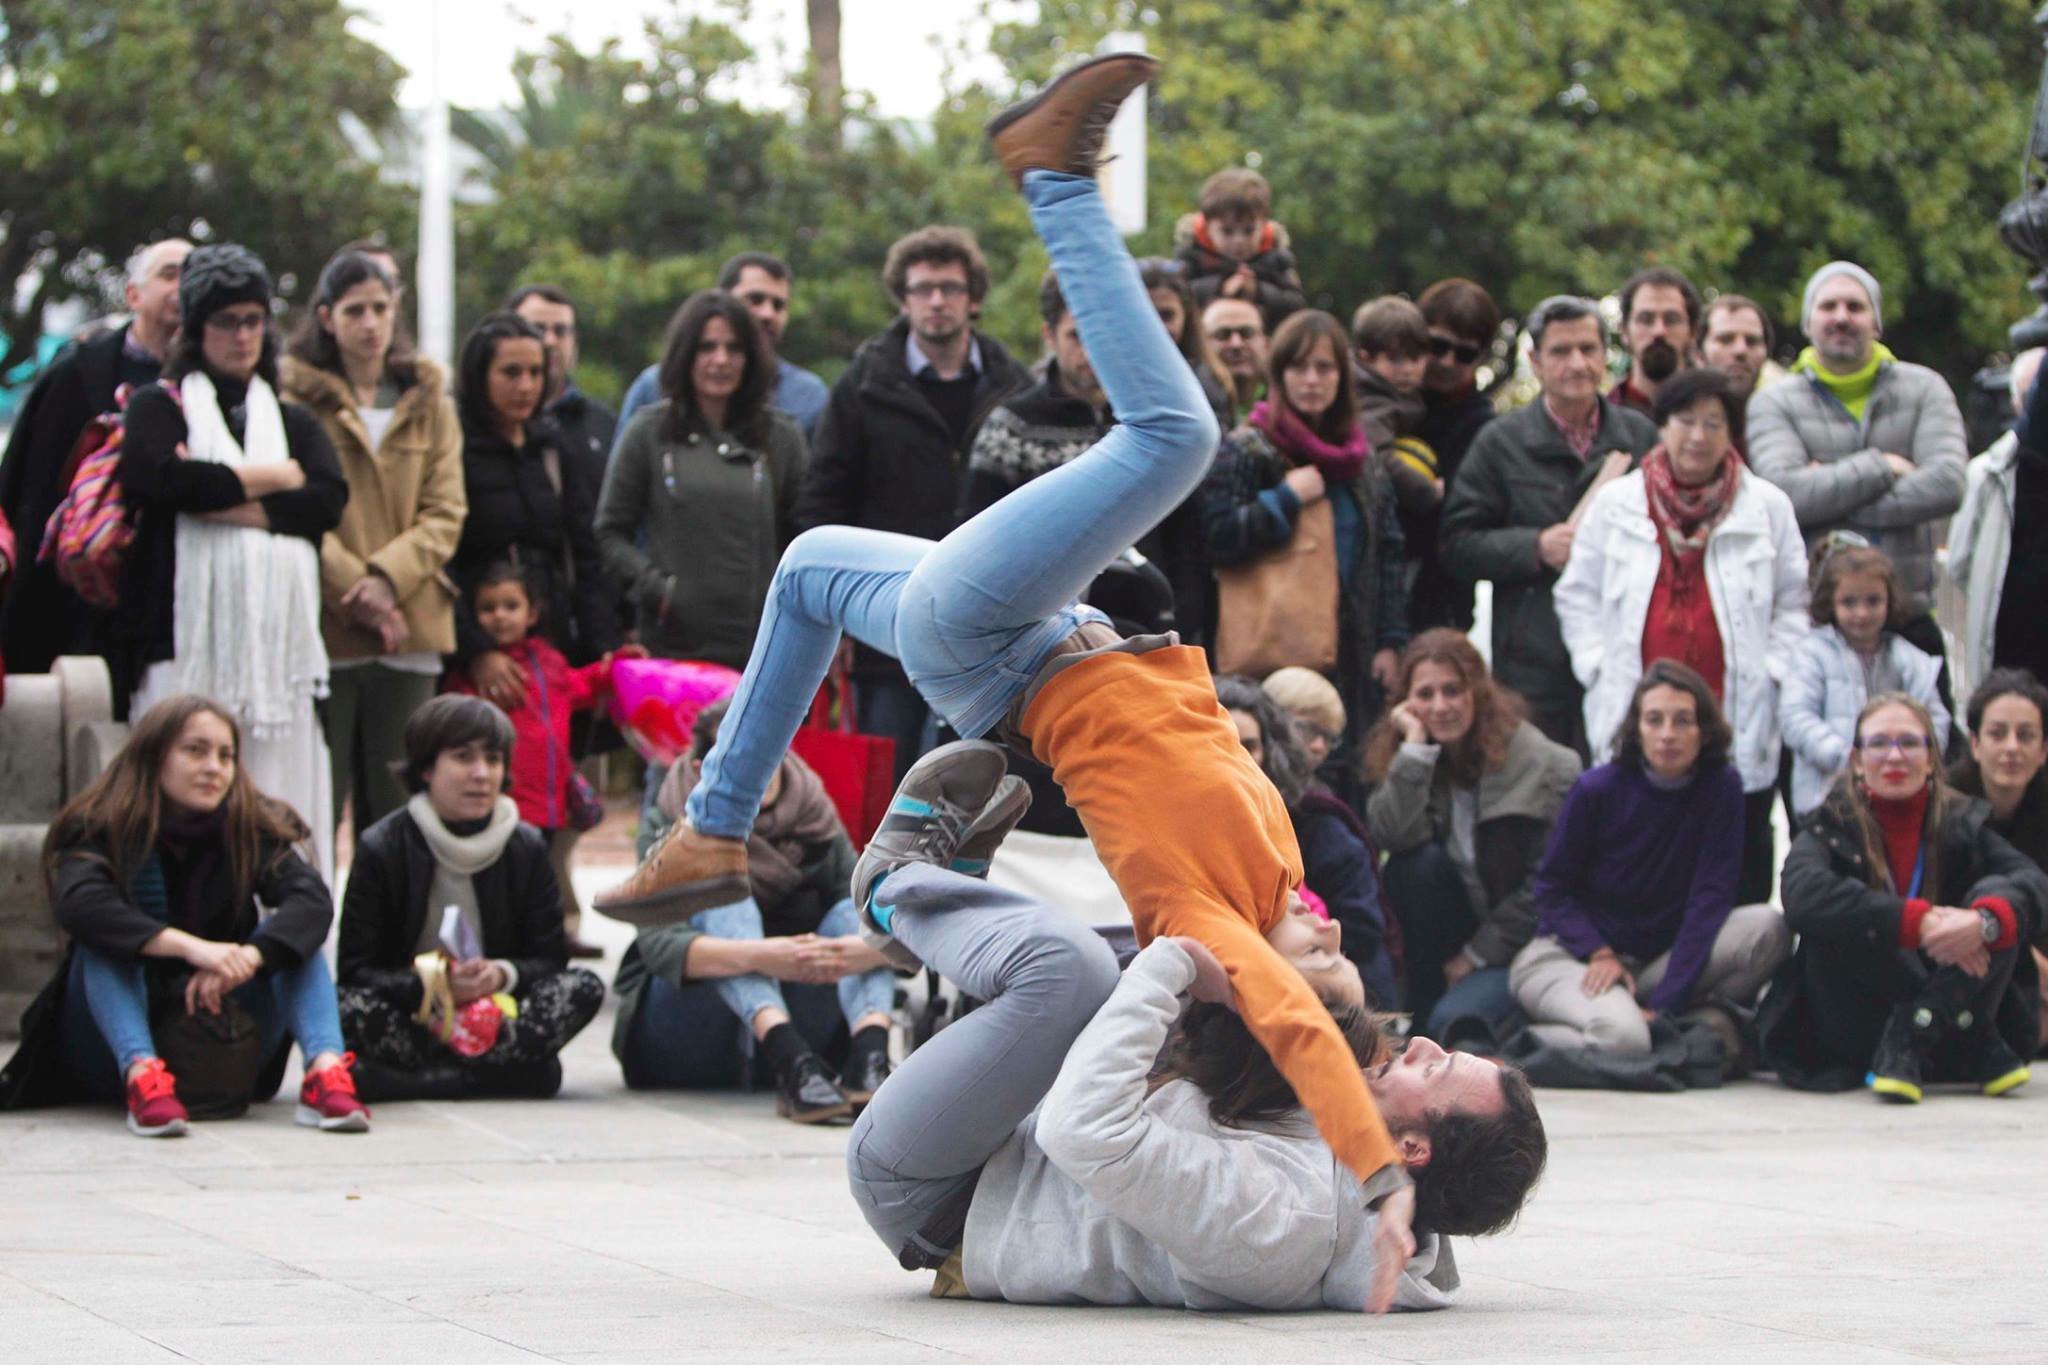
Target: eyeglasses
1161, 265
1708, 426
247, 322
925, 289
1906, 745
1441, 346
1233, 333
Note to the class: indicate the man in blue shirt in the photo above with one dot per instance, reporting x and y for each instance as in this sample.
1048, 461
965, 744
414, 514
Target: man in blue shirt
762, 282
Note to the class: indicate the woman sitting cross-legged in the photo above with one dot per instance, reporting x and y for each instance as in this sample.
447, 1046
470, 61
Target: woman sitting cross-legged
1635, 899
1911, 914
1338, 861
787, 962
2008, 720
455, 976
156, 871
1465, 791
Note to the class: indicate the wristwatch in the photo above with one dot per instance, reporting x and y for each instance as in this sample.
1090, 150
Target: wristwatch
1991, 927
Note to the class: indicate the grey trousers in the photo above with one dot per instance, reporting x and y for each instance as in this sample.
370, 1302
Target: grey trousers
364, 716
919, 1146
1545, 980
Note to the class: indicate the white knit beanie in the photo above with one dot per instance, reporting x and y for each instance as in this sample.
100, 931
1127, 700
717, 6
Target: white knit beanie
1854, 272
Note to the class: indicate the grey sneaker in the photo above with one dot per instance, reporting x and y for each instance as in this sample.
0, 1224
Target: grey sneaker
978, 846
936, 806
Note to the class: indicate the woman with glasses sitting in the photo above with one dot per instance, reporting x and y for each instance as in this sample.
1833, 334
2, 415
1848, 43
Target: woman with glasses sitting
1911, 914
1692, 558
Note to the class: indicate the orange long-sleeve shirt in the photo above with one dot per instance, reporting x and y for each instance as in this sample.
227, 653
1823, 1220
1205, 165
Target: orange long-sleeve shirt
1200, 844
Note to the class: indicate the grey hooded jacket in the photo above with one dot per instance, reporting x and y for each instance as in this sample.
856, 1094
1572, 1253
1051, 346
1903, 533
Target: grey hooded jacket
1802, 439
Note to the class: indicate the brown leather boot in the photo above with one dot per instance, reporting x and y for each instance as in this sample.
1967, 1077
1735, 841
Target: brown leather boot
1061, 127
685, 873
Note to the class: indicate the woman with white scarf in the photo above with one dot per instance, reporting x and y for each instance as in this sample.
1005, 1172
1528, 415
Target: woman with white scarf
220, 595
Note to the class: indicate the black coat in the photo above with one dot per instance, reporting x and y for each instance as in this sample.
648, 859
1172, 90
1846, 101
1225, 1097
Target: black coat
885, 459
96, 909
1827, 1005
42, 617
1372, 608
1449, 426
1518, 478
515, 514
159, 483
385, 909
588, 429
2027, 831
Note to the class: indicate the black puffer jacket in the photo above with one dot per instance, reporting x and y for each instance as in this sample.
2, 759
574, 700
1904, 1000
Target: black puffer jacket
1827, 1005
385, 909
515, 514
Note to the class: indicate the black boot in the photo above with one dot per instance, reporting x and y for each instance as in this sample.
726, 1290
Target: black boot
867, 1065
804, 1089
1896, 1068
1994, 1066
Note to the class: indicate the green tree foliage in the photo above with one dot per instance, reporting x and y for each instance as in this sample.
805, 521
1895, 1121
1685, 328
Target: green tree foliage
1549, 145
122, 122
640, 173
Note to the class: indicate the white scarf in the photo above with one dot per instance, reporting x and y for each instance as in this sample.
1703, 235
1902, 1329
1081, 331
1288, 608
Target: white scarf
246, 628
457, 860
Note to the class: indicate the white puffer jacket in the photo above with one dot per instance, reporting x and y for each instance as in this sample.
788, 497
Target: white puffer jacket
1756, 578
1824, 693
1979, 551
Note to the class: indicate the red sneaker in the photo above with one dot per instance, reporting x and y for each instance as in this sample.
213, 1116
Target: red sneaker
153, 1108
327, 1100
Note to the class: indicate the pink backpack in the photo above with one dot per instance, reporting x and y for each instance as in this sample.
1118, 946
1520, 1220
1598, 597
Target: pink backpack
88, 536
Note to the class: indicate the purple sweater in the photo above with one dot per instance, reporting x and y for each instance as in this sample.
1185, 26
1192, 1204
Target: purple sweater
1644, 871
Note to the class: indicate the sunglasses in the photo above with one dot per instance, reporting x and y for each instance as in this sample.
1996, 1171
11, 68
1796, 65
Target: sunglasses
1465, 351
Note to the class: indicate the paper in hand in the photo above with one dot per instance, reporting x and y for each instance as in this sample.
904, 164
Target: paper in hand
458, 938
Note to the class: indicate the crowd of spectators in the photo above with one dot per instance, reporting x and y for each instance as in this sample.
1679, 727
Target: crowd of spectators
363, 587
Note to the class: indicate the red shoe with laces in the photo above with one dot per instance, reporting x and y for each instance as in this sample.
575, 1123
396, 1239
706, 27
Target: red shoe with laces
153, 1108
327, 1099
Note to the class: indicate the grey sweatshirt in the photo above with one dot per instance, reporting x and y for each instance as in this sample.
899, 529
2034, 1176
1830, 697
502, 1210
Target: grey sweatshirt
1106, 1196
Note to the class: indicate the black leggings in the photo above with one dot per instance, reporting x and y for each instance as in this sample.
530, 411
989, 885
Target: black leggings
552, 1009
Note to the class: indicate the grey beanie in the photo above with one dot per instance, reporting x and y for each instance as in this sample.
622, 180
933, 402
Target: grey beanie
1854, 272
217, 276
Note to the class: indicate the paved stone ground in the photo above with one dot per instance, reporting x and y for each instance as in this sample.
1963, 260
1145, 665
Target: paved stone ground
1749, 1224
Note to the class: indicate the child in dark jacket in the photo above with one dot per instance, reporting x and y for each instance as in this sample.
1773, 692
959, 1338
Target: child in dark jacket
544, 781
1233, 249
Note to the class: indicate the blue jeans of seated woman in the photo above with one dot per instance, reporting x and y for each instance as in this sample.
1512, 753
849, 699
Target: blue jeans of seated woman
106, 1015
860, 994
975, 615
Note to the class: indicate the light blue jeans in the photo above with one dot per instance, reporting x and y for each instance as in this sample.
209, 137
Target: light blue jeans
974, 616
860, 994
114, 995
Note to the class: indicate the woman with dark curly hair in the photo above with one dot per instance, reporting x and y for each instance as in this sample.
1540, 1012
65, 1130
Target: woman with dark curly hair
1464, 793
1636, 913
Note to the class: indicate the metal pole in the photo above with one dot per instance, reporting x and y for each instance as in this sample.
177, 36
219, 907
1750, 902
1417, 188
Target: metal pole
436, 270
1123, 178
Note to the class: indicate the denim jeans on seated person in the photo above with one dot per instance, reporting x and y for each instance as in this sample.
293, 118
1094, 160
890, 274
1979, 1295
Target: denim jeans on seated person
859, 995
106, 1015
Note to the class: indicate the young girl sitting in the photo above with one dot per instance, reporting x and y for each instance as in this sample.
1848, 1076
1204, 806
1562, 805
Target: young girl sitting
545, 785
1853, 654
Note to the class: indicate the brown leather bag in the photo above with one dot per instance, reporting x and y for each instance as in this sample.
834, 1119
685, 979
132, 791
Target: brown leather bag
1280, 610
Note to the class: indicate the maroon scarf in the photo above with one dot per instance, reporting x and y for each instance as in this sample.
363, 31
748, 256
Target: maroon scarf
1291, 435
1687, 516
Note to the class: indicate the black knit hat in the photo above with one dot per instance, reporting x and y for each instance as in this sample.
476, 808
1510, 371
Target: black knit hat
217, 276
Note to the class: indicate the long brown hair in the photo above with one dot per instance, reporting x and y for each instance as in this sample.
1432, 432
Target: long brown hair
1291, 345
1851, 803
120, 811
1497, 711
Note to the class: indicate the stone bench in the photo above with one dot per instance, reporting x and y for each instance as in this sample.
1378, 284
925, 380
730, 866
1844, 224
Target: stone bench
57, 733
